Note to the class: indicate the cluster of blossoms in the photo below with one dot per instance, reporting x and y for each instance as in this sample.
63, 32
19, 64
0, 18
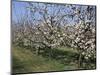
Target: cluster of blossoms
84, 39
81, 36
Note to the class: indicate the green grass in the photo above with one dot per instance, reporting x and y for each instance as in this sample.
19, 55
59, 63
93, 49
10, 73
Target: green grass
25, 61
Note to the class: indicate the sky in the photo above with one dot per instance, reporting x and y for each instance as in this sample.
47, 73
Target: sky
19, 10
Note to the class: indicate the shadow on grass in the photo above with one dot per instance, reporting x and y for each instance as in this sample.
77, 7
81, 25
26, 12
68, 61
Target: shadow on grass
68, 57
64, 57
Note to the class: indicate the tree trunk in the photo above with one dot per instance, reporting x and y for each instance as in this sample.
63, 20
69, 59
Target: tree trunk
80, 60
37, 52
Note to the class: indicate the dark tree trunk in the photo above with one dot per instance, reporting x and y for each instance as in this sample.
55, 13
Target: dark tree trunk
80, 61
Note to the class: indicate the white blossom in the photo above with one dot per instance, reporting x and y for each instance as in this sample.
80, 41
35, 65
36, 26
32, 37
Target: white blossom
36, 32
45, 33
61, 38
86, 57
58, 35
64, 34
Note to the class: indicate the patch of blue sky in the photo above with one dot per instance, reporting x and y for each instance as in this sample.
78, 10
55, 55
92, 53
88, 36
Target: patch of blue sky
19, 9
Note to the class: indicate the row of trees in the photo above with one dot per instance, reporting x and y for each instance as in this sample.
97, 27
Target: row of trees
54, 25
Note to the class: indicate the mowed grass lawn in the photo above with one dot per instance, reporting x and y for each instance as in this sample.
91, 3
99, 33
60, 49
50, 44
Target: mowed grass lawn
23, 61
